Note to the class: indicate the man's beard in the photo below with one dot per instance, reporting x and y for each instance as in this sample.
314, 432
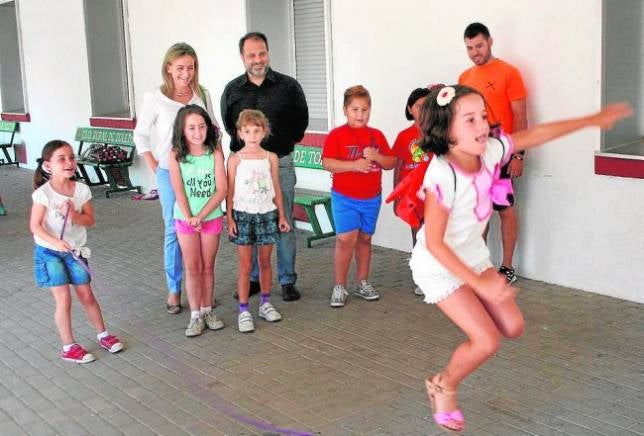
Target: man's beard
256, 71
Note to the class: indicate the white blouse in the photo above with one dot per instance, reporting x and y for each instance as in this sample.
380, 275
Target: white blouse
155, 123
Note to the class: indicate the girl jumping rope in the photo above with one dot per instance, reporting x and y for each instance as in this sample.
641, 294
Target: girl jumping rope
255, 213
60, 214
450, 262
199, 183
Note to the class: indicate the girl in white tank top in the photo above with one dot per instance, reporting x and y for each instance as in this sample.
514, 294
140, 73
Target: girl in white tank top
255, 213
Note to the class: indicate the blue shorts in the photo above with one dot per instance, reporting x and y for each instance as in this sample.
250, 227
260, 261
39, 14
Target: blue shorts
355, 213
55, 268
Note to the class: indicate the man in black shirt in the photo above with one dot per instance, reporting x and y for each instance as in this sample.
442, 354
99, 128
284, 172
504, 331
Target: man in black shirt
282, 100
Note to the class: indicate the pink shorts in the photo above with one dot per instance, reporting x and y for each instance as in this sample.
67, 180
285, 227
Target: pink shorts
208, 227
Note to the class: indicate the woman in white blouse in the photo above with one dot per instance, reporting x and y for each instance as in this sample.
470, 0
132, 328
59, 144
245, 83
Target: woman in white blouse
153, 139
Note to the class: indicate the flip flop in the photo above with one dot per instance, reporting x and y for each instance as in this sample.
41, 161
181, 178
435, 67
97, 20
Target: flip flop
152, 195
173, 309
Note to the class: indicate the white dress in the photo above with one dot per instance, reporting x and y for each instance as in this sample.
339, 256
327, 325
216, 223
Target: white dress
468, 198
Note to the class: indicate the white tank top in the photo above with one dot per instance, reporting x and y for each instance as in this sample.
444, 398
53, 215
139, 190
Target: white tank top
254, 191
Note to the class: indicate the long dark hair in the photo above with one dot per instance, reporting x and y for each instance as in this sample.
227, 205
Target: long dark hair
41, 176
435, 119
179, 144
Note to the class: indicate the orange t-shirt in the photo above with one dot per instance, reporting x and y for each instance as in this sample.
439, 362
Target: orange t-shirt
500, 83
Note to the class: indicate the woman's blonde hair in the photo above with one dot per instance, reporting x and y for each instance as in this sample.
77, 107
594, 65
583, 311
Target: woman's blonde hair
254, 118
174, 52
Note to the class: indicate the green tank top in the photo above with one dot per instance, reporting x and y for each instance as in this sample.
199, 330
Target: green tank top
198, 174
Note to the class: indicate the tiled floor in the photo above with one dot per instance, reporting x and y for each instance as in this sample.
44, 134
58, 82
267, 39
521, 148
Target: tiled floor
578, 370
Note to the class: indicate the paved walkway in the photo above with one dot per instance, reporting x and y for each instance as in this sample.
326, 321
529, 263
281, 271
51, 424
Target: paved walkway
579, 369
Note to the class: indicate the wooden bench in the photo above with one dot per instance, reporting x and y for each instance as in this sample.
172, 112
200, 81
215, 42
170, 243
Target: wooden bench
9, 127
306, 156
109, 171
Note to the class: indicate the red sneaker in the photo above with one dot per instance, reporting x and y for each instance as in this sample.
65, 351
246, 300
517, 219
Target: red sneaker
77, 354
111, 343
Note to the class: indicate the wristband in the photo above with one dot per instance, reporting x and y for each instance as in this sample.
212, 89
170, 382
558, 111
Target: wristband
517, 157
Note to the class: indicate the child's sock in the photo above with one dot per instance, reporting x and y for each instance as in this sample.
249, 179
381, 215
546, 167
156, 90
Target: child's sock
243, 307
264, 298
205, 310
195, 314
68, 346
102, 335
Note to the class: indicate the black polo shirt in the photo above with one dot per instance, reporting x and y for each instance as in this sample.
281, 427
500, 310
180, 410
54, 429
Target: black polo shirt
279, 97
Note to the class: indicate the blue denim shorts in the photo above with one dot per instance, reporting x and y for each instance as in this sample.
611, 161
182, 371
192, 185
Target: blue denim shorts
55, 268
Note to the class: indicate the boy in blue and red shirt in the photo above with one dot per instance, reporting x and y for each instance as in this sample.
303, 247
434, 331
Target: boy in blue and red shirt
356, 155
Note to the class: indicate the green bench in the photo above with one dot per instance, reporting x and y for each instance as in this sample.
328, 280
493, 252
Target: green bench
109, 152
305, 156
9, 127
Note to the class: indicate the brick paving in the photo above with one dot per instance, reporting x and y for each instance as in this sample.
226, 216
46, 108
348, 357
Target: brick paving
578, 370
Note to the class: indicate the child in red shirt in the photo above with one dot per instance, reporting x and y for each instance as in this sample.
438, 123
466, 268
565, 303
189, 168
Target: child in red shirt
407, 148
356, 155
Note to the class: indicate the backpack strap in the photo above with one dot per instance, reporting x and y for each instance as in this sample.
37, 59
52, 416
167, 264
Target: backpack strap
453, 173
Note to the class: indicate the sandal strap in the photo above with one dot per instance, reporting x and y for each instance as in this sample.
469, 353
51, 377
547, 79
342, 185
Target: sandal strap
437, 388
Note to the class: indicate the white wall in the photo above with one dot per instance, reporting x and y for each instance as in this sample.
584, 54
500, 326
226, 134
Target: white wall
577, 229
211, 27
55, 64
57, 70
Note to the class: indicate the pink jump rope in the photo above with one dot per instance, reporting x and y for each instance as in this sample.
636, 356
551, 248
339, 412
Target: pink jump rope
213, 399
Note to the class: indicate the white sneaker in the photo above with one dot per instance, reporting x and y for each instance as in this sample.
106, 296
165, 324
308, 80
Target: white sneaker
195, 327
366, 291
269, 313
418, 291
245, 322
212, 322
339, 296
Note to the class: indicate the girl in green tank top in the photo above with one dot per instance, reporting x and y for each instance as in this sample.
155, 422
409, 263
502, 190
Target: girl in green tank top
199, 182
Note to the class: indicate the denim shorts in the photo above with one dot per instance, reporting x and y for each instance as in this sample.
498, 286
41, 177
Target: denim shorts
256, 228
351, 214
55, 268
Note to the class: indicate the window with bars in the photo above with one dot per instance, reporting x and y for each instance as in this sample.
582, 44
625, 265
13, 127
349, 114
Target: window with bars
108, 54
302, 52
311, 59
12, 91
623, 63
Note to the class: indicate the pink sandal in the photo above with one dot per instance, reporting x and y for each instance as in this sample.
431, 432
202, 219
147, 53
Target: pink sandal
453, 421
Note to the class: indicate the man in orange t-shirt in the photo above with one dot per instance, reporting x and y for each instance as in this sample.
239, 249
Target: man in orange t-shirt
505, 96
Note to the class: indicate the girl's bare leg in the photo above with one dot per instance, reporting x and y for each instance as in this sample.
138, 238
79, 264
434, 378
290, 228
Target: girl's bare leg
63, 314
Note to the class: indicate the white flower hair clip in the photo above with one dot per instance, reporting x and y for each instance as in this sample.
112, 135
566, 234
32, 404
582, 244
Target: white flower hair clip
445, 96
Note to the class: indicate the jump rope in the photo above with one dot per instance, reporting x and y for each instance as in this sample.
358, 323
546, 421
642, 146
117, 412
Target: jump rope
214, 400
